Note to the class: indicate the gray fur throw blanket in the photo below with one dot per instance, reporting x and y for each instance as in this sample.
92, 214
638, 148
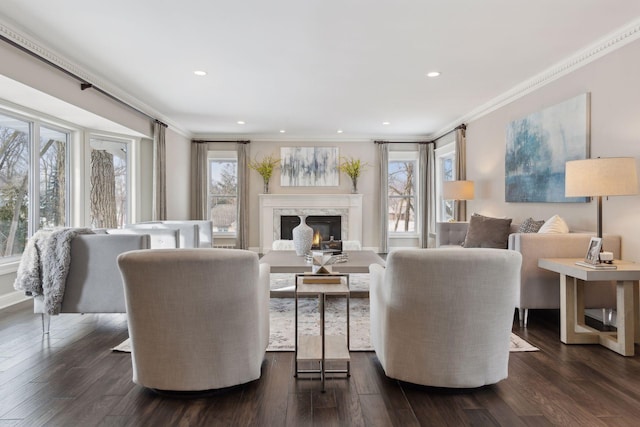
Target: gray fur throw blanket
45, 264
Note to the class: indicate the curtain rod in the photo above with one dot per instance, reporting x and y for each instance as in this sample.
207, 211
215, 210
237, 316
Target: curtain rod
462, 126
239, 141
402, 142
84, 84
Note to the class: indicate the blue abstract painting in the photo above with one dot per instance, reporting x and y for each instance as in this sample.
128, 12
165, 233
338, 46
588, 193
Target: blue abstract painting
309, 167
539, 145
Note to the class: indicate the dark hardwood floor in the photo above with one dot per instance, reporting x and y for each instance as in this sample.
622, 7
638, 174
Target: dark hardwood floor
71, 378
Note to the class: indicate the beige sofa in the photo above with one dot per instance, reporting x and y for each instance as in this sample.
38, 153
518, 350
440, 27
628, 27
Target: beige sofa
540, 288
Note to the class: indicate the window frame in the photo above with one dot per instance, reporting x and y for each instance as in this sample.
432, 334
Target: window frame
413, 156
35, 122
228, 156
447, 150
133, 197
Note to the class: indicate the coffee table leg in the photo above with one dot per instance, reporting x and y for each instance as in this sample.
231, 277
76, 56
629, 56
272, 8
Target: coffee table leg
321, 300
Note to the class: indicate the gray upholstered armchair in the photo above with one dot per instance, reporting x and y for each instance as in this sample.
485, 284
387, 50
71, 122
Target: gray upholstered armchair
443, 317
198, 318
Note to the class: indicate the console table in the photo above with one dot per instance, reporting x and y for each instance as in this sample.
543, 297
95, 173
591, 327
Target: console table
572, 327
321, 348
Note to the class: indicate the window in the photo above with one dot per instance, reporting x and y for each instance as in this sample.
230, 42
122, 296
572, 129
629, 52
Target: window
53, 178
109, 195
29, 149
223, 191
445, 171
403, 173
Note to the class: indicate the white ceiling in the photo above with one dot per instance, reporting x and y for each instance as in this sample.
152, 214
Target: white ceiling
312, 67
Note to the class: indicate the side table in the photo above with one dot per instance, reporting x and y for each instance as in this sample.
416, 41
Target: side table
572, 327
322, 348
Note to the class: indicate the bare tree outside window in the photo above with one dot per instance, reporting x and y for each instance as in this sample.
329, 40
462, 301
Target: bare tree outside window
50, 169
223, 195
447, 175
53, 178
109, 183
402, 194
14, 185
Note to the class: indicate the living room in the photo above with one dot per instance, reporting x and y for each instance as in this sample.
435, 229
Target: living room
605, 68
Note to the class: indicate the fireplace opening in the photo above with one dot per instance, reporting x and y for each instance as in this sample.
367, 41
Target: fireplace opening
326, 225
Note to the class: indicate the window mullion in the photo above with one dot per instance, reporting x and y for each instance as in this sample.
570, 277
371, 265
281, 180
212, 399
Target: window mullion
34, 178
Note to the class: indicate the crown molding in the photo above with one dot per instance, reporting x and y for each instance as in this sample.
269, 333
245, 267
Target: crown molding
311, 139
598, 49
59, 60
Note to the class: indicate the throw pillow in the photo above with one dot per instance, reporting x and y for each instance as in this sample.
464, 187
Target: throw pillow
530, 225
487, 232
554, 225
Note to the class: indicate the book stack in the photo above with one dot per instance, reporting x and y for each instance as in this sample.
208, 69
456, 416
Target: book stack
598, 266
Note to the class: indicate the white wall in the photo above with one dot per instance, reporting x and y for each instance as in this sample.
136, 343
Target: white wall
367, 184
615, 131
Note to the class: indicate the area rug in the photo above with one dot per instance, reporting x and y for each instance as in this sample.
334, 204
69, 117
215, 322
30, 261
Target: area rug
282, 324
282, 318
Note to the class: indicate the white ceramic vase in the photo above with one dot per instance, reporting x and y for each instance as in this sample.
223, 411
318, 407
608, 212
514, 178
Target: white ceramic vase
302, 237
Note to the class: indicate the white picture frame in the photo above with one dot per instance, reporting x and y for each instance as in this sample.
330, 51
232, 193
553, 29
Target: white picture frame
593, 252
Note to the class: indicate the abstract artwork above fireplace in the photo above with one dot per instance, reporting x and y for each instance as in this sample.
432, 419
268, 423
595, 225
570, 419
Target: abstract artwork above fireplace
309, 167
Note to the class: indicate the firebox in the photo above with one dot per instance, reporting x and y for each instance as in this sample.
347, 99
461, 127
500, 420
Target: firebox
326, 225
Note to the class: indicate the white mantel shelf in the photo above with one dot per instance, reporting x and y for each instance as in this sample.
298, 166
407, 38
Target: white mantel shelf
273, 206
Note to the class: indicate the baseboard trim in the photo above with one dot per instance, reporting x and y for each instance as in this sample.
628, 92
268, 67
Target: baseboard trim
12, 298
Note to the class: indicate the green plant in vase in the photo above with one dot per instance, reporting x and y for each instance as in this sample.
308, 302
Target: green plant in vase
265, 168
353, 168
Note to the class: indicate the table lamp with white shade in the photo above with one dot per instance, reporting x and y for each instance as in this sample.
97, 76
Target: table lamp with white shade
457, 190
612, 176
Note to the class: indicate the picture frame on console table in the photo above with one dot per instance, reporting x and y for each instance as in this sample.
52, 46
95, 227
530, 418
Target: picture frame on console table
593, 252
592, 257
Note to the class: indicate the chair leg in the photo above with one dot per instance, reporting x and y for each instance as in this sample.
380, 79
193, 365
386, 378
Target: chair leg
523, 316
46, 323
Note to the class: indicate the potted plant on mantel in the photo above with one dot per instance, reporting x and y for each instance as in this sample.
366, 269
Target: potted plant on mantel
265, 168
353, 168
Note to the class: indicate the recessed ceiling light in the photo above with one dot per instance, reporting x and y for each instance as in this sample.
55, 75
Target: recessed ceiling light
282, 131
200, 73
386, 123
433, 74
340, 130
240, 122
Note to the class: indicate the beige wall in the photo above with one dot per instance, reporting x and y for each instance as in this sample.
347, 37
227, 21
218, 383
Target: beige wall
25, 69
615, 131
367, 185
178, 175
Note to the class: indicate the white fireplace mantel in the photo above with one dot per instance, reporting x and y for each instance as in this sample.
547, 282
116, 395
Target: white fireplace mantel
273, 206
